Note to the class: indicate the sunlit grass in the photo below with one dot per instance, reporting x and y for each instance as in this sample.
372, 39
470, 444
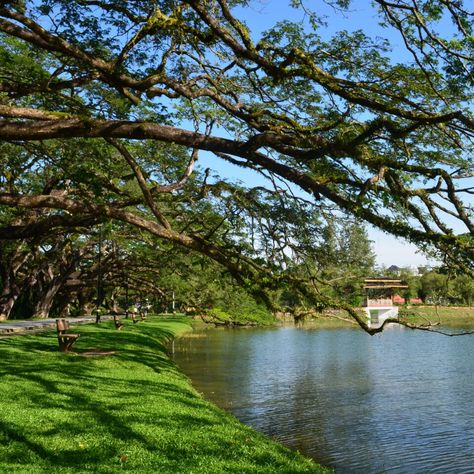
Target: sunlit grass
129, 411
449, 316
445, 316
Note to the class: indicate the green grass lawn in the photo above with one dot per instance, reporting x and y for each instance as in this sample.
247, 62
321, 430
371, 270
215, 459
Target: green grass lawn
449, 316
130, 411
445, 315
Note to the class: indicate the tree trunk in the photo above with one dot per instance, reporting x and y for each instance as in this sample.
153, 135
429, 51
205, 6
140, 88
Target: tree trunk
8, 298
114, 306
86, 309
44, 304
85, 304
10, 294
11, 262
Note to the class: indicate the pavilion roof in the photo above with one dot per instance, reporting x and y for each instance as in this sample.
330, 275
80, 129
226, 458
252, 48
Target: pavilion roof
383, 282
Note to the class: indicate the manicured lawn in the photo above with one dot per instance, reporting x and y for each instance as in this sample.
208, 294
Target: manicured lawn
446, 315
130, 411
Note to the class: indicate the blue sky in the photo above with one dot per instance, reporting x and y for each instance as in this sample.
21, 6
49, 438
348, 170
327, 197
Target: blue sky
389, 249
393, 251
259, 15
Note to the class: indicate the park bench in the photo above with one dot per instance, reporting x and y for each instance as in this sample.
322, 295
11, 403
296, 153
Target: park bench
65, 339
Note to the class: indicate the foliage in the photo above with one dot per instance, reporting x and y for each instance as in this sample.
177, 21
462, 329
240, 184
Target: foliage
240, 310
463, 289
437, 286
339, 259
434, 287
105, 107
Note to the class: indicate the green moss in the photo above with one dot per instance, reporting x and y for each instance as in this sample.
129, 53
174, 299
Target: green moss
130, 411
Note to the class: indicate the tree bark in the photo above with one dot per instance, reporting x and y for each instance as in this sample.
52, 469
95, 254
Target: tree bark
10, 265
10, 294
44, 304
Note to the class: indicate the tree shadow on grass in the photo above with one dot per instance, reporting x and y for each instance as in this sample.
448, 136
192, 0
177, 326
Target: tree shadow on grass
71, 389
67, 412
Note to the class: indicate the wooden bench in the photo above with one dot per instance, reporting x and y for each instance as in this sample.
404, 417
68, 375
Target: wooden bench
65, 339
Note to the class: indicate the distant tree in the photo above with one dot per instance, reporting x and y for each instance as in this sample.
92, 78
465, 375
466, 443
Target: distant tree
341, 255
434, 287
463, 288
414, 284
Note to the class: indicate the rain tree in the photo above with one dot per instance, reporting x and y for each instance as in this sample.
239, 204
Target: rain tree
125, 97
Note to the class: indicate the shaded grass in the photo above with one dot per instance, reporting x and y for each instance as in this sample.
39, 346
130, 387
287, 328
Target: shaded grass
130, 411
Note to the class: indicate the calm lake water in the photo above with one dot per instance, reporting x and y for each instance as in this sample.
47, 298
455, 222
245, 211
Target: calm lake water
400, 402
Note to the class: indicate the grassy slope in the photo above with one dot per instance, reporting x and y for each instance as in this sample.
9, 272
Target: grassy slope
449, 316
131, 411
446, 315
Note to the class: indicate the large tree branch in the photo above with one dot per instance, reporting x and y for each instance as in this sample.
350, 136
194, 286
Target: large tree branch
70, 128
141, 181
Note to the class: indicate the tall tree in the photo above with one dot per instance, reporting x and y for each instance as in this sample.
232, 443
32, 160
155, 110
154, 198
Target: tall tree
338, 120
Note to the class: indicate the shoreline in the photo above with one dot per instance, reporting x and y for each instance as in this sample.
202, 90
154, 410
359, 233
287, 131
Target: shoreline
450, 316
127, 407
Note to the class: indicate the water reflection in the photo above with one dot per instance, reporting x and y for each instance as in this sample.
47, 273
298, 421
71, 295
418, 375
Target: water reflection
398, 402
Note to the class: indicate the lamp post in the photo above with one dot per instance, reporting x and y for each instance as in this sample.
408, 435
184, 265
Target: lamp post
99, 278
126, 297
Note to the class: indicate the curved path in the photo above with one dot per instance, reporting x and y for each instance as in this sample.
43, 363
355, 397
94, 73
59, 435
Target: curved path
16, 328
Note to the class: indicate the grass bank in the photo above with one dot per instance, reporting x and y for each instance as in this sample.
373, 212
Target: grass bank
129, 411
445, 315
448, 316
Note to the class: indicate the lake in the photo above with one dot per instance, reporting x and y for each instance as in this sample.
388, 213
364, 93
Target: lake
399, 402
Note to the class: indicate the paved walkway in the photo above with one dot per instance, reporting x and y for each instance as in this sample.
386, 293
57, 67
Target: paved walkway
16, 328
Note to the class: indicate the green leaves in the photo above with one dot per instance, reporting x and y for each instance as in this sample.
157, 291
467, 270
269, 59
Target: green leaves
105, 106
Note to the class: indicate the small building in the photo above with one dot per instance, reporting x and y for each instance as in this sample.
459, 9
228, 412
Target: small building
397, 299
395, 269
379, 299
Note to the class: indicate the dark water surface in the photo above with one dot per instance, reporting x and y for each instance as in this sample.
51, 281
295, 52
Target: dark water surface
400, 402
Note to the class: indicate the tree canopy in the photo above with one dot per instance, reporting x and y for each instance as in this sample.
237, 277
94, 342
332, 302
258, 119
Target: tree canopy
106, 106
